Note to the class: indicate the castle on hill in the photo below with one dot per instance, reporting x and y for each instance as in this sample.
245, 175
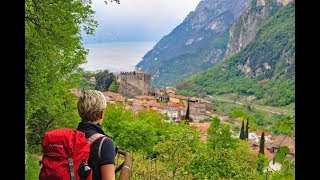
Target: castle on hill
136, 83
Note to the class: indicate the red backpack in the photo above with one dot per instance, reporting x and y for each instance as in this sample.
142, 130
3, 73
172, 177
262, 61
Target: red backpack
65, 155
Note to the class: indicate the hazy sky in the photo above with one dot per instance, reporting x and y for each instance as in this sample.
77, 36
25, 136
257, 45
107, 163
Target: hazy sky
141, 20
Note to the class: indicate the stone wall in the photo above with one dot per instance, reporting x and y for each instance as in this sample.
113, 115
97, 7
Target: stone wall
134, 83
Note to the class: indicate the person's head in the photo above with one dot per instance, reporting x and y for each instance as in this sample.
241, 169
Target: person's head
91, 105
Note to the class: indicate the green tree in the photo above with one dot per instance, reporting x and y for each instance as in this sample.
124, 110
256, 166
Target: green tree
242, 136
238, 113
287, 171
219, 135
187, 115
262, 140
53, 54
177, 150
223, 163
246, 134
84, 80
114, 86
53, 50
104, 80
262, 161
285, 126
281, 154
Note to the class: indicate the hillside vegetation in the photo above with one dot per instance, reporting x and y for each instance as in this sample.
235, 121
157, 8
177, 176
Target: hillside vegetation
265, 68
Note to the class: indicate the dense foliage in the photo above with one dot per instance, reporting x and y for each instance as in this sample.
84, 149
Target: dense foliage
53, 53
104, 80
161, 149
274, 45
85, 81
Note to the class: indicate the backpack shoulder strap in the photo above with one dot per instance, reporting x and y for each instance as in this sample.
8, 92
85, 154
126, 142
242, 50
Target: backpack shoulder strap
100, 145
94, 137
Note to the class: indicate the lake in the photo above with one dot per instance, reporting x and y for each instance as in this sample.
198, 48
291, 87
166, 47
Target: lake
116, 56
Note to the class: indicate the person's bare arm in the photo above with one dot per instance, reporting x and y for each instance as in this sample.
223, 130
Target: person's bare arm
107, 172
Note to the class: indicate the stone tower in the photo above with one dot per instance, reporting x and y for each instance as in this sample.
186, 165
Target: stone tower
134, 83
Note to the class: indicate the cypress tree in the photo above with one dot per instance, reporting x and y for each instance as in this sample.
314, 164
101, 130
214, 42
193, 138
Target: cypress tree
187, 114
242, 131
261, 150
246, 134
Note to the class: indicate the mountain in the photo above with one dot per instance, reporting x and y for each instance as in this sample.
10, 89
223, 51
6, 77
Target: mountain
264, 68
195, 45
245, 28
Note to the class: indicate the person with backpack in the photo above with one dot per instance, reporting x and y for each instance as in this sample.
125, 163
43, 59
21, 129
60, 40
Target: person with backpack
91, 106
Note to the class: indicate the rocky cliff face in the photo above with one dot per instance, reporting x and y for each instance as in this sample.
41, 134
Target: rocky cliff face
195, 45
245, 28
264, 68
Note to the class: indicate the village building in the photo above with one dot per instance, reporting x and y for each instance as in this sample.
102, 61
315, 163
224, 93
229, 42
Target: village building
271, 148
162, 96
198, 108
255, 147
178, 99
197, 116
256, 136
113, 97
170, 90
153, 106
172, 112
280, 141
144, 99
224, 117
208, 104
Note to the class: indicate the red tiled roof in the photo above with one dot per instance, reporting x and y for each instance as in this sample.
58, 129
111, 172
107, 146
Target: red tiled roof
203, 127
114, 96
146, 97
109, 93
267, 153
154, 104
259, 133
136, 108
178, 96
177, 105
198, 105
284, 140
168, 91
200, 100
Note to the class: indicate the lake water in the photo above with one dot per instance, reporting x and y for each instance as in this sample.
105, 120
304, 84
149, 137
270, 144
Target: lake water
115, 56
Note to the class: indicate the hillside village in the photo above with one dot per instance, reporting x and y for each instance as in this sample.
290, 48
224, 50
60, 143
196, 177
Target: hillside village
174, 106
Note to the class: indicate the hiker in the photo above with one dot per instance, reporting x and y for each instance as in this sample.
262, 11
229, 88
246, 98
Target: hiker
91, 107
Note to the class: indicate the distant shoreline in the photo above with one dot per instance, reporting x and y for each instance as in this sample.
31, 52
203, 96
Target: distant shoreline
116, 56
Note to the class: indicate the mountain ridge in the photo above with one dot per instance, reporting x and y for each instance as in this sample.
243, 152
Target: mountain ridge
264, 68
195, 45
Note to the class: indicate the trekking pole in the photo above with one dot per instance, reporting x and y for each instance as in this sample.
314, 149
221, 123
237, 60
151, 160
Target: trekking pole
125, 166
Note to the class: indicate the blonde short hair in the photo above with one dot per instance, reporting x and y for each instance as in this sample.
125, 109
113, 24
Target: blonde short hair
90, 105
